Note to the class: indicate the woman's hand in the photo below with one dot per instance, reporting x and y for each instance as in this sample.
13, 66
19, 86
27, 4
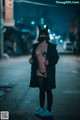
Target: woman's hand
30, 60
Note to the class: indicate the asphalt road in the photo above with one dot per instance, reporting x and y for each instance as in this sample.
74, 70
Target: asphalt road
22, 101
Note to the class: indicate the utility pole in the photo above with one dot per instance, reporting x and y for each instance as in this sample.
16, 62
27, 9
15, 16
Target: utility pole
1, 28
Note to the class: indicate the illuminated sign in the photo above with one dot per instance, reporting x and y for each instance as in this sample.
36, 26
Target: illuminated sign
8, 18
8, 9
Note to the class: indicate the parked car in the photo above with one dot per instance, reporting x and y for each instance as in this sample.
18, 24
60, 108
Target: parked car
67, 45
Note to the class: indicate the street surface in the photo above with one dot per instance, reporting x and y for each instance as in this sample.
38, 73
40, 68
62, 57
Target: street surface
22, 101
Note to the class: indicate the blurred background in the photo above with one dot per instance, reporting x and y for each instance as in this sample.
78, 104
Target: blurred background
19, 20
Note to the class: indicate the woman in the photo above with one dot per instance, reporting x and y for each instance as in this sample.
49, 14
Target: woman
43, 61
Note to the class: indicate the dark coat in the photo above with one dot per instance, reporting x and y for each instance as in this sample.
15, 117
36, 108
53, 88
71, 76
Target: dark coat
52, 57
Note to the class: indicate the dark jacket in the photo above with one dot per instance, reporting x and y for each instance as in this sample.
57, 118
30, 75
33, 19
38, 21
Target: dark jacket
52, 57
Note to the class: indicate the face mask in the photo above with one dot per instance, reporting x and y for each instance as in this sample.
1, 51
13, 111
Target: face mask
42, 38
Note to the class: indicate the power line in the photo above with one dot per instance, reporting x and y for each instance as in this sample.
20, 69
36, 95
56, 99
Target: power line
37, 3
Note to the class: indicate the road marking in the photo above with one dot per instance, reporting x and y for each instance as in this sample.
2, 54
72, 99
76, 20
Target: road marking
74, 72
72, 92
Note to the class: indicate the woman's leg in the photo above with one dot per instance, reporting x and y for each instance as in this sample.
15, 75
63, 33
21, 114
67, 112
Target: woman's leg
41, 91
49, 99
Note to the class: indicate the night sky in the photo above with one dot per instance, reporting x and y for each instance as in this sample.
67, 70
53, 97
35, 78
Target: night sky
59, 15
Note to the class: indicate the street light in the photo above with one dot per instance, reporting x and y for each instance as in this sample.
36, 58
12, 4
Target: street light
1, 28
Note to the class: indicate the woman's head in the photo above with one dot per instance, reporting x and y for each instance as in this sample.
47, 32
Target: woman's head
43, 35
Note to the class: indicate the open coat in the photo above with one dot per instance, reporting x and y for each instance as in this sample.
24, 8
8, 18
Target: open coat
52, 57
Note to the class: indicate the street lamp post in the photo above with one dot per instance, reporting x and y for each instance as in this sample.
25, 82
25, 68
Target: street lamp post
1, 28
